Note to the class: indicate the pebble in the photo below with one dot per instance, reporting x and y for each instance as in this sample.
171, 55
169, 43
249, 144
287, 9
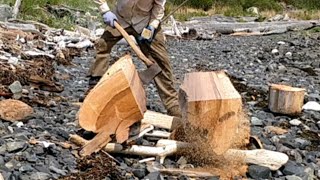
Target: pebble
15, 146
292, 168
288, 54
295, 122
293, 177
259, 172
256, 121
275, 51
311, 105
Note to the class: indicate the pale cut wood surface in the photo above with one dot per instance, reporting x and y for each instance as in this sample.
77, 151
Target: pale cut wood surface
160, 120
285, 99
117, 101
214, 105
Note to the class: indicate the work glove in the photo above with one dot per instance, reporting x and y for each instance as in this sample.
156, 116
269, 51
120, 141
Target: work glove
109, 18
144, 39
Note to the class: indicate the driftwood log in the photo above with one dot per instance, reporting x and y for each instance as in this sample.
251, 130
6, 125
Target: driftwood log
211, 104
161, 120
285, 99
164, 148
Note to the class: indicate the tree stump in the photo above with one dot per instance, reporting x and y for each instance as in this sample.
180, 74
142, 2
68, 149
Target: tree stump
285, 99
212, 105
116, 102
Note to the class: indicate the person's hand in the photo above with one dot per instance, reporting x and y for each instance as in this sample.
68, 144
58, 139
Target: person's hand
109, 18
150, 36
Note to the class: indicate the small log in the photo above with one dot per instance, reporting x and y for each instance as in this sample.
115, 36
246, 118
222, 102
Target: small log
158, 134
189, 173
161, 120
271, 159
213, 106
285, 99
16, 8
116, 102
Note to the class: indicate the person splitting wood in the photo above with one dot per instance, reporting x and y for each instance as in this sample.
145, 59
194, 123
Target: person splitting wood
135, 16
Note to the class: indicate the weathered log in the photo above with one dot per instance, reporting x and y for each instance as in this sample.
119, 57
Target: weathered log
161, 120
213, 106
271, 159
189, 173
285, 99
16, 8
116, 102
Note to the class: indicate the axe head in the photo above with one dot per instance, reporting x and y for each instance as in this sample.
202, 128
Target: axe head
150, 73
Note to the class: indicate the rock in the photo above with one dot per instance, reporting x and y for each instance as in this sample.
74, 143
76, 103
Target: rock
182, 161
277, 17
36, 176
139, 173
1, 177
275, 51
311, 105
293, 177
302, 143
310, 173
288, 54
5, 12
253, 10
154, 176
58, 171
281, 43
14, 110
256, 122
276, 130
292, 168
15, 146
259, 172
26, 168
295, 122
16, 89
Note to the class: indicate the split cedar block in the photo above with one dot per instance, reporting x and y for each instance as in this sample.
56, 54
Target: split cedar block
212, 104
113, 105
285, 99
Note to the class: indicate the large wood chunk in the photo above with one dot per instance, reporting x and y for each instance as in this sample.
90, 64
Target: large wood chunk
116, 102
214, 106
285, 99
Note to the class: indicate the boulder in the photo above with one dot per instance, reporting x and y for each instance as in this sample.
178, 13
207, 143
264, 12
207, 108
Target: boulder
14, 110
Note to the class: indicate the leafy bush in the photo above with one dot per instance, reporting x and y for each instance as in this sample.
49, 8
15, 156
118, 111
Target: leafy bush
200, 4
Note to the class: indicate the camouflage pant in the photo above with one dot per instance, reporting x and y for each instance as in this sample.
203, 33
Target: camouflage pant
156, 52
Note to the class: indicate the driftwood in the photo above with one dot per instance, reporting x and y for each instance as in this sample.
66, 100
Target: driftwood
285, 99
16, 8
164, 148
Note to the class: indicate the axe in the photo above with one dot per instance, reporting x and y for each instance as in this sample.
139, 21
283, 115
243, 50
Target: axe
153, 69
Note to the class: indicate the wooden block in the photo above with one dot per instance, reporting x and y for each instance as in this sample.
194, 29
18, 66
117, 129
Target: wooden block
285, 99
116, 102
213, 105
161, 120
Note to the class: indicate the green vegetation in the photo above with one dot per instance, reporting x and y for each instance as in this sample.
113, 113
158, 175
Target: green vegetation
38, 9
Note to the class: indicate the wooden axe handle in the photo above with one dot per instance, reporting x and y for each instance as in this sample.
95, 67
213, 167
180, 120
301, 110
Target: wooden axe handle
136, 49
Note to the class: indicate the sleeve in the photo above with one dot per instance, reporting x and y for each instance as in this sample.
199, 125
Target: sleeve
157, 13
103, 6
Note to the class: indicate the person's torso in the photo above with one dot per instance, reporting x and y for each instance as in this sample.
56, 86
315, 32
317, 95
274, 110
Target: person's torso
129, 9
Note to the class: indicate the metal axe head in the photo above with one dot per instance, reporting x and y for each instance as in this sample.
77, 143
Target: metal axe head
150, 73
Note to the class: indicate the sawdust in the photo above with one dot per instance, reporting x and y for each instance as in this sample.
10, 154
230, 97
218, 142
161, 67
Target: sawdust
201, 154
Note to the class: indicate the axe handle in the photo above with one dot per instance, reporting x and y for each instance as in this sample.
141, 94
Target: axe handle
136, 49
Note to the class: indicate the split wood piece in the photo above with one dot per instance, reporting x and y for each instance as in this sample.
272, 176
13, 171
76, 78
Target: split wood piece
211, 104
160, 120
285, 99
161, 152
116, 102
271, 159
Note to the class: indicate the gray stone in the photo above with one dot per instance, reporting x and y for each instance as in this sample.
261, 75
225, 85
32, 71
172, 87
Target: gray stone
302, 143
295, 122
259, 172
310, 174
5, 12
182, 161
293, 177
139, 173
256, 122
15, 146
3, 149
154, 176
1, 160
26, 168
39, 176
16, 89
292, 168
58, 171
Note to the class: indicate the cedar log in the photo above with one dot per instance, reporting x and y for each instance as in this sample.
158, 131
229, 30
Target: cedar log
161, 120
116, 102
210, 103
285, 99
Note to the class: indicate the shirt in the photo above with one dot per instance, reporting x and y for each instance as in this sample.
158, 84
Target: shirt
136, 13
